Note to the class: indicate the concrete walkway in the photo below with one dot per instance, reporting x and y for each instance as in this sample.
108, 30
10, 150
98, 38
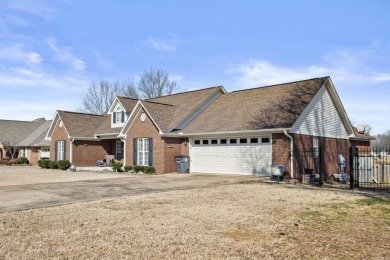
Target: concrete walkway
21, 197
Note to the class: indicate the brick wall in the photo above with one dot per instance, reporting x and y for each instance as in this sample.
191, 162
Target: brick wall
33, 155
280, 151
164, 148
331, 148
173, 147
87, 153
145, 129
59, 134
360, 144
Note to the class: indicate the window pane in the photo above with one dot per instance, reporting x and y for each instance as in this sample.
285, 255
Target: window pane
265, 140
233, 141
205, 141
254, 140
243, 141
197, 142
223, 141
214, 141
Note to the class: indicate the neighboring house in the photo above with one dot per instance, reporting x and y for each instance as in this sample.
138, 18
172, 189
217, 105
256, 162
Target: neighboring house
27, 136
241, 132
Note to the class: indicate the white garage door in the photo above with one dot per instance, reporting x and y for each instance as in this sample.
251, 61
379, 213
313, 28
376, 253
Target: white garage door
247, 156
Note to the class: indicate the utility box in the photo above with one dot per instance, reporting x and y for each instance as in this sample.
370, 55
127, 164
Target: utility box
182, 163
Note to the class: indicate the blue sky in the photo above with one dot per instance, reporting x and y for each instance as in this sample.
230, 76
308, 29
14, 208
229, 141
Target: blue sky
51, 51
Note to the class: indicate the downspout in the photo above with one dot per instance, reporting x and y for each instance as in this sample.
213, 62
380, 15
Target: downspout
71, 150
291, 153
124, 150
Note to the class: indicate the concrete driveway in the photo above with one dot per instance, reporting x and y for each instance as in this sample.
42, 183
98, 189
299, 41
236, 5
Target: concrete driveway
37, 195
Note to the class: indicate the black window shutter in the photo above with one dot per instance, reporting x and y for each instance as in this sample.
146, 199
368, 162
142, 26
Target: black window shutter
123, 116
150, 151
64, 151
56, 151
114, 117
134, 151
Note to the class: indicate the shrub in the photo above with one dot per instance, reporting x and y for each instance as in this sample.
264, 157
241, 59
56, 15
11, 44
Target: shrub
44, 164
63, 164
22, 160
117, 166
138, 168
144, 169
128, 168
53, 164
149, 170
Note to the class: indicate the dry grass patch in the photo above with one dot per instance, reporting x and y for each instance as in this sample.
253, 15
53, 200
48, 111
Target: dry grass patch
245, 221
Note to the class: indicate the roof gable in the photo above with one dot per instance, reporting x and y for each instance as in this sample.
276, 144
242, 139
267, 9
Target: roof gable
320, 118
167, 112
77, 125
126, 103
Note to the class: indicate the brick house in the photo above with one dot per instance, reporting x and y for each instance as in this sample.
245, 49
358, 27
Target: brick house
241, 132
27, 136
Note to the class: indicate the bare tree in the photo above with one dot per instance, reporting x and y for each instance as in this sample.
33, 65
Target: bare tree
11, 148
100, 95
129, 90
382, 140
156, 83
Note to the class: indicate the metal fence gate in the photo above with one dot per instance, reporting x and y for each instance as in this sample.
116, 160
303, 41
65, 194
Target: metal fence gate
308, 164
370, 168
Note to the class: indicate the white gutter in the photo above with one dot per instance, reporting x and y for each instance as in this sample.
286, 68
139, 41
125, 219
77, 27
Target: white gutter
124, 150
291, 153
70, 151
273, 130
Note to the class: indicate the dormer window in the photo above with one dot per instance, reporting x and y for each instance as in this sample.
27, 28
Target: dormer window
118, 116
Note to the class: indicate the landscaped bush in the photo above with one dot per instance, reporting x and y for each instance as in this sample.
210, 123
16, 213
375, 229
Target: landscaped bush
144, 169
44, 164
128, 168
138, 168
117, 166
53, 164
149, 170
63, 164
22, 160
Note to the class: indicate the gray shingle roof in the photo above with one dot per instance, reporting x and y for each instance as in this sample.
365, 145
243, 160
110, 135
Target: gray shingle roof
277, 106
37, 137
168, 111
81, 124
24, 133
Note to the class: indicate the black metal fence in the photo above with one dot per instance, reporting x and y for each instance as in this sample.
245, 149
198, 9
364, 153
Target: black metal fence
309, 165
370, 168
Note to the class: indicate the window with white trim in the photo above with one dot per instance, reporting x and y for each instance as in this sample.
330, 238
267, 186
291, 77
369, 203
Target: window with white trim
265, 140
118, 150
60, 150
119, 115
143, 151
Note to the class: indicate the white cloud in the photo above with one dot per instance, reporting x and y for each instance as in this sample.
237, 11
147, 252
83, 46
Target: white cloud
164, 45
65, 55
27, 78
342, 66
39, 8
19, 53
